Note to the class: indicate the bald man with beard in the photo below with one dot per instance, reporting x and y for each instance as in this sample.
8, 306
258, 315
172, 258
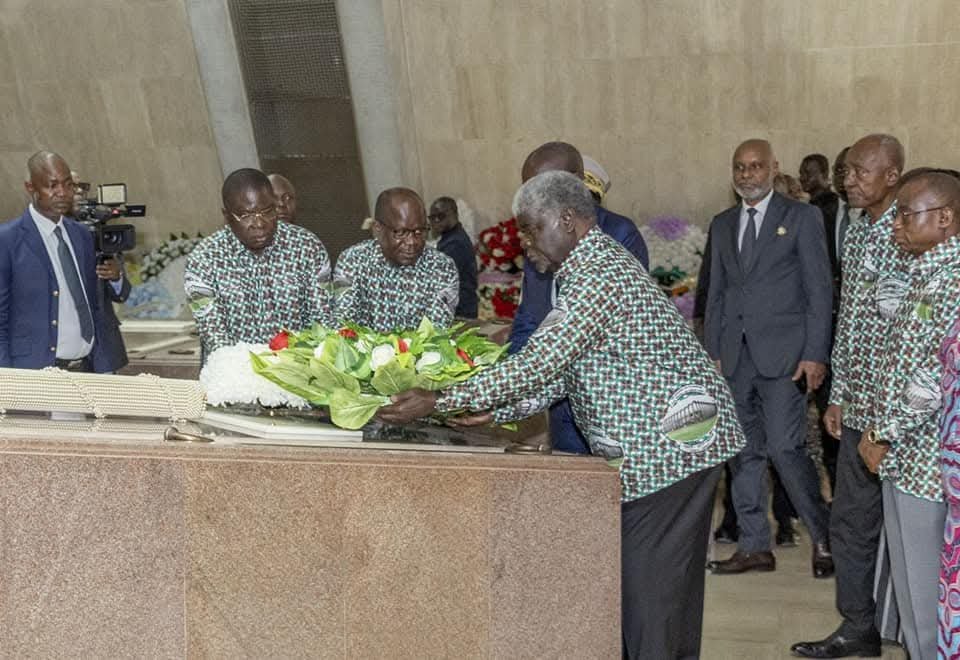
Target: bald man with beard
767, 326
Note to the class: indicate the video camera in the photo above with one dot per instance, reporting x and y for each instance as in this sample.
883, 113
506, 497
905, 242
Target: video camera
111, 202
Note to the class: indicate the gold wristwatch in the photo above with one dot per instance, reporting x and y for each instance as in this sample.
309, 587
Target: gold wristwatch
875, 438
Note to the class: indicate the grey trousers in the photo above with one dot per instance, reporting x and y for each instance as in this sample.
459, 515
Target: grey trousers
914, 528
773, 414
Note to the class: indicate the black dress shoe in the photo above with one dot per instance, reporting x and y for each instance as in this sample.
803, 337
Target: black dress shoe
741, 562
838, 646
822, 560
786, 536
725, 535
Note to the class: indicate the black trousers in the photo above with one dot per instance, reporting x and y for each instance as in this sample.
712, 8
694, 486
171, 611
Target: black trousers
663, 554
783, 511
856, 519
829, 444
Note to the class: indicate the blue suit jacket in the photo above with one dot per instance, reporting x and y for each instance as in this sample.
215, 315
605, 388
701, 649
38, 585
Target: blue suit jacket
535, 303
781, 307
29, 296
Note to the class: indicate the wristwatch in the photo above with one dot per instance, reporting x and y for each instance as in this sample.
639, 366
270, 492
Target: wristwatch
875, 438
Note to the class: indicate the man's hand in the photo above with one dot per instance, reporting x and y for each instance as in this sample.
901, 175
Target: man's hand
109, 270
408, 406
814, 372
716, 363
871, 453
833, 420
478, 419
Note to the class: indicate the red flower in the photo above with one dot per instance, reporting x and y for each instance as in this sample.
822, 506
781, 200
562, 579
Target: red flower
347, 333
462, 354
402, 346
280, 341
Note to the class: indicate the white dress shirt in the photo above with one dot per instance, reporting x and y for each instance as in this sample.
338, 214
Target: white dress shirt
70, 343
761, 207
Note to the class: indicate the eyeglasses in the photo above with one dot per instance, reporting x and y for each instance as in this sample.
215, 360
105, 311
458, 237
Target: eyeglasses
248, 218
906, 215
403, 234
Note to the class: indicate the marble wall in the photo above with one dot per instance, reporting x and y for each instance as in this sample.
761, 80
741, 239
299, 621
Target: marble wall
661, 92
112, 85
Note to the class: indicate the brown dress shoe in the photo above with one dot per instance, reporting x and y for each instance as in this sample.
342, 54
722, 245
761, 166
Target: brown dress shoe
822, 560
741, 562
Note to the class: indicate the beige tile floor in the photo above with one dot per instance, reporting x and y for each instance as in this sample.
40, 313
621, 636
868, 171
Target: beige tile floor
757, 616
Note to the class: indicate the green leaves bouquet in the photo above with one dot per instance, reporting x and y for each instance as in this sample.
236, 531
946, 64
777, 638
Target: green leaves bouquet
353, 370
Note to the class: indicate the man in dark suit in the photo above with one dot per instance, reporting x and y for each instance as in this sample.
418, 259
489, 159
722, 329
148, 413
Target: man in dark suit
538, 293
455, 242
50, 311
768, 327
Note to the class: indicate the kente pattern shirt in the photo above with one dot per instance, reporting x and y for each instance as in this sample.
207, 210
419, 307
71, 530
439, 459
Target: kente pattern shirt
238, 296
643, 390
910, 402
375, 293
874, 281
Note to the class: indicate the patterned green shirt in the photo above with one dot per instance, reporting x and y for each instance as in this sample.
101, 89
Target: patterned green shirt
383, 296
642, 388
908, 411
874, 281
238, 296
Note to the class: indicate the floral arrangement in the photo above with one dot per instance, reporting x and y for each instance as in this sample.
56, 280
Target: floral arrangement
160, 257
501, 268
353, 370
676, 252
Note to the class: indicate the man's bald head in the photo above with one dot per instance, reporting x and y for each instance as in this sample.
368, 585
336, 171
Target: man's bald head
874, 164
50, 184
400, 225
286, 196
551, 157
754, 168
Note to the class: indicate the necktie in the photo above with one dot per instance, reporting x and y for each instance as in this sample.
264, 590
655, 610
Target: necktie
844, 223
73, 284
749, 241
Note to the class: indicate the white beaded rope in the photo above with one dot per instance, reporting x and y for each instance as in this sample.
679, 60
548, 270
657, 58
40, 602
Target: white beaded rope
100, 395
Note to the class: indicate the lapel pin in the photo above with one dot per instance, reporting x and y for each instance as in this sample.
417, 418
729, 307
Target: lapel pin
781, 231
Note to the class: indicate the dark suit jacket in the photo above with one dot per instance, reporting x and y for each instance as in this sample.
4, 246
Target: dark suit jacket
828, 202
111, 337
28, 295
781, 308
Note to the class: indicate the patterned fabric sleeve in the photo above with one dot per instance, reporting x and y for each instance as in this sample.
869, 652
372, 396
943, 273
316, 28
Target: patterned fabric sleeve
346, 296
904, 410
841, 338
442, 307
580, 319
200, 284
532, 404
320, 303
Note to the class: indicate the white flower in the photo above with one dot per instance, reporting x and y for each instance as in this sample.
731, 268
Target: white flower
318, 352
497, 252
381, 355
428, 358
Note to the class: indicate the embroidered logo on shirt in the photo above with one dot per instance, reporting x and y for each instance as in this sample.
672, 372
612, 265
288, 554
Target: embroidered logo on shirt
691, 418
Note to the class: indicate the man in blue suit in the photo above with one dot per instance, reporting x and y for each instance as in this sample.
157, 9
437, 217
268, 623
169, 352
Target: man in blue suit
538, 292
767, 326
50, 310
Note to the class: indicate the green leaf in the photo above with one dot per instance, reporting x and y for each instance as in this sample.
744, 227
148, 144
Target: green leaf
350, 410
328, 379
290, 378
393, 378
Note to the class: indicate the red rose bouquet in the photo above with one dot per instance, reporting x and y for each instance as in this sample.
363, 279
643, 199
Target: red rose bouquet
501, 268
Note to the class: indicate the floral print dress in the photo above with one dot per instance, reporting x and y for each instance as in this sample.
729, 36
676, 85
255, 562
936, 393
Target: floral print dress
948, 646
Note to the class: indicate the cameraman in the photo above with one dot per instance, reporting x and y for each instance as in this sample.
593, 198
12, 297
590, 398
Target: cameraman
114, 287
51, 307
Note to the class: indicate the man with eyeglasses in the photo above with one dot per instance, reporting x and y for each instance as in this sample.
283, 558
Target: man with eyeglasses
256, 275
393, 280
455, 243
874, 281
286, 196
902, 442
